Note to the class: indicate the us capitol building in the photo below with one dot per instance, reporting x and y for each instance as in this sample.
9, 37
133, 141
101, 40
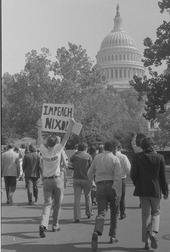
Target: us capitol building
118, 58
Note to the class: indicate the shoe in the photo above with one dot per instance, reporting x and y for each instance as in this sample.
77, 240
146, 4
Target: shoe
154, 244
89, 215
76, 221
42, 231
122, 216
147, 246
30, 203
94, 241
11, 201
56, 228
113, 239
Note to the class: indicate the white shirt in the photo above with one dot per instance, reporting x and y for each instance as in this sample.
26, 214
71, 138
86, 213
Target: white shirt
125, 164
106, 166
51, 160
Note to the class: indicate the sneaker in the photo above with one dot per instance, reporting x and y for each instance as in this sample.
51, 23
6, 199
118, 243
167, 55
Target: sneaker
55, 228
42, 231
113, 239
94, 241
122, 216
154, 244
76, 221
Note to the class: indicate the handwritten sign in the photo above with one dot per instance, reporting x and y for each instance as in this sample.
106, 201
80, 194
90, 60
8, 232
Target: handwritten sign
55, 117
131, 126
144, 127
135, 126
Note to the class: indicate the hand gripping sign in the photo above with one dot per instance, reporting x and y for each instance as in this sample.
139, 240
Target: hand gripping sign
55, 117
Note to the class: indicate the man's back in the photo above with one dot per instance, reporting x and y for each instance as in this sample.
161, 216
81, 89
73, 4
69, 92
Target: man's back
125, 163
31, 165
81, 162
105, 165
10, 161
148, 173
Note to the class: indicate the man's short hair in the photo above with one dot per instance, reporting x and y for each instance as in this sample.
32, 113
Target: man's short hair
22, 146
32, 148
111, 145
82, 146
10, 146
147, 144
52, 141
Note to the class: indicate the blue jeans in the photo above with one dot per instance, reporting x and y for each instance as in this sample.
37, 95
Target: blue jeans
32, 187
150, 216
105, 195
79, 185
53, 194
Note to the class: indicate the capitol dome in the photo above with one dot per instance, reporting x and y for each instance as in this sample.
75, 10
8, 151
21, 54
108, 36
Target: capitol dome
118, 57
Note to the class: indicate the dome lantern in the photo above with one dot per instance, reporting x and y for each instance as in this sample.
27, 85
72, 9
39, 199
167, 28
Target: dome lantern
117, 21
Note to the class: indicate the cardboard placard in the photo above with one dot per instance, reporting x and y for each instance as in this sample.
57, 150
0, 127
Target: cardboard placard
135, 126
131, 126
55, 117
77, 128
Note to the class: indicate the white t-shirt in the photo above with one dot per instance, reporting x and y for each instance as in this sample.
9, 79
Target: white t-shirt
51, 160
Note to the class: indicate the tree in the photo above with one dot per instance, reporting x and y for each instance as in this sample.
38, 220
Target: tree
24, 93
162, 137
156, 90
75, 71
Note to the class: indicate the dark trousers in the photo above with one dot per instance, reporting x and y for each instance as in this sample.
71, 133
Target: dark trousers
106, 195
10, 187
122, 201
32, 187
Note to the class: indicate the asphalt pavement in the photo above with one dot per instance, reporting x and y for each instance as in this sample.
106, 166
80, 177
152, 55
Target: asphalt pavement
20, 226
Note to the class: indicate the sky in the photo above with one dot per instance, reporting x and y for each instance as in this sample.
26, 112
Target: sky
34, 24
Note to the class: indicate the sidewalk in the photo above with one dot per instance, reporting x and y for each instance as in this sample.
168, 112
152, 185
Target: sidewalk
20, 225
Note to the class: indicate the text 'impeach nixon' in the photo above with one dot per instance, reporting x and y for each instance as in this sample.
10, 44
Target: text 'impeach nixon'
55, 117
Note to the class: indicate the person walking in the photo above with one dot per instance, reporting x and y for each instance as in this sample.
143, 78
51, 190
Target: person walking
63, 167
108, 176
93, 151
150, 181
53, 187
10, 171
32, 170
126, 166
81, 162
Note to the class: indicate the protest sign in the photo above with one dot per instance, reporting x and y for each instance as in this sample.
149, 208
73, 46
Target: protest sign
130, 125
135, 126
144, 127
55, 117
77, 128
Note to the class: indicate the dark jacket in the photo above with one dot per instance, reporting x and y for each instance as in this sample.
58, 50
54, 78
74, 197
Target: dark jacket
148, 175
81, 161
31, 165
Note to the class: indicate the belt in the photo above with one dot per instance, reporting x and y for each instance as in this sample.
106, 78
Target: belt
102, 182
52, 177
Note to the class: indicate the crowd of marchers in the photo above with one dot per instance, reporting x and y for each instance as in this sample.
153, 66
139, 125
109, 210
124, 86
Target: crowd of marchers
99, 173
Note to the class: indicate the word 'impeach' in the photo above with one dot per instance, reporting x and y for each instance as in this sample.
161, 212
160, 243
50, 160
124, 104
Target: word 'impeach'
57, 111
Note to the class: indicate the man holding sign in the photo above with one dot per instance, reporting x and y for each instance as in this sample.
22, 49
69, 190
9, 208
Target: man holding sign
52, 183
